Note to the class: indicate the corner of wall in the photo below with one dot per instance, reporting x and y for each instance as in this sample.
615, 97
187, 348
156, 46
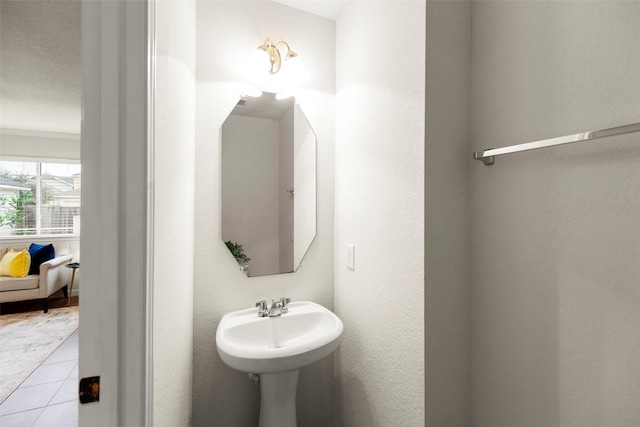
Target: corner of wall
173, 213
447, 287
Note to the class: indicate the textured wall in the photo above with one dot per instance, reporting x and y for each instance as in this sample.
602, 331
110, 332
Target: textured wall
447, 254
380, 209
556, 232
227, 34
173, 213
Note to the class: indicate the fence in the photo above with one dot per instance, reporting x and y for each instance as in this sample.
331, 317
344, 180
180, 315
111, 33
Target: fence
53, 220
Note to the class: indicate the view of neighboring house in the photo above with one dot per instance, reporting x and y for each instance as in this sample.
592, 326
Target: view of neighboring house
38, 203
10, 202
9, 187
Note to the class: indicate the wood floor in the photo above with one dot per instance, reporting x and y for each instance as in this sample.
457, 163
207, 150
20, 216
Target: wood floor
55, 301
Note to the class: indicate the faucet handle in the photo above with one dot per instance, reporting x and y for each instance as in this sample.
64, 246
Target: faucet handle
262, 308
283, 304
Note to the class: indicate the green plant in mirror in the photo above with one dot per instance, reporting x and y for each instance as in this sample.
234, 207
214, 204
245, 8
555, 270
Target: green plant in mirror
237, 251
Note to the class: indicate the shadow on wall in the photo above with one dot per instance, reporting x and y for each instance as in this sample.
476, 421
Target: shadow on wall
360, 409
314, 394
359, 406
245, 411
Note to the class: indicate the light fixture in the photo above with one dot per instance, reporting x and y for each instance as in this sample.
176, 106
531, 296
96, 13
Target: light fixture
268, 57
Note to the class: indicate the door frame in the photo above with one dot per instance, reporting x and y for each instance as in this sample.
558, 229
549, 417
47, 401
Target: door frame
117, 216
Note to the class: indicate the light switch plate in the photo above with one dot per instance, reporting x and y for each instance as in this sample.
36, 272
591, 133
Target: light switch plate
351, 257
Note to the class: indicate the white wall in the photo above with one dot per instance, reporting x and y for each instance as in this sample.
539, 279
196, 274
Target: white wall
556, 232
41, 145
447, 255
380, 209
227, 34
173, 181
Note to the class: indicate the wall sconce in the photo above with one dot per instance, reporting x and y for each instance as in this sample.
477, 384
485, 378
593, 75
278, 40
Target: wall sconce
268, 57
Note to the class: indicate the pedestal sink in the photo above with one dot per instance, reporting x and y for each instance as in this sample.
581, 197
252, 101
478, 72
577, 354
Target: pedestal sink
276, 348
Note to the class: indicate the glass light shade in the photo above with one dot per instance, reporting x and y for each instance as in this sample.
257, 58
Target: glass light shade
260, 60
296, 74
290, 75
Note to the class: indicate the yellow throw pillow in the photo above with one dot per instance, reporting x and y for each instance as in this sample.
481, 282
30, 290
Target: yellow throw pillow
15, 264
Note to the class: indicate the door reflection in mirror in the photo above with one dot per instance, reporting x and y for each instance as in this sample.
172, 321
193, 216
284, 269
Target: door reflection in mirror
268, 184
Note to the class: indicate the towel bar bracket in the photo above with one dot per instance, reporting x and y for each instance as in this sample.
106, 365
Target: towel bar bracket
488, 161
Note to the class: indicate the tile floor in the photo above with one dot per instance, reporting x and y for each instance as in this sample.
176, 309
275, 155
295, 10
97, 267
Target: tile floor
49, 396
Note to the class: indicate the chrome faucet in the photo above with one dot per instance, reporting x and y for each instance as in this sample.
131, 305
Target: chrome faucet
277, 307
262, 308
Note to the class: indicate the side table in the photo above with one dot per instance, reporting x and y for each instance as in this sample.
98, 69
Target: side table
74, 266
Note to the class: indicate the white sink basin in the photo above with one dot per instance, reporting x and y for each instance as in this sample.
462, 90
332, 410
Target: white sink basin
264, 345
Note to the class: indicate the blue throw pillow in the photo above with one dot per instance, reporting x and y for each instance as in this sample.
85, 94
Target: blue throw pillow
40, 254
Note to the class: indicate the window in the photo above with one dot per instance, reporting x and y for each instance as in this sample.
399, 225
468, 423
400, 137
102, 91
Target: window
39, 198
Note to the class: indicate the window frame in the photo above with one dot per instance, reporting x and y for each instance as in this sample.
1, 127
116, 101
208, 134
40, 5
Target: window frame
37, 231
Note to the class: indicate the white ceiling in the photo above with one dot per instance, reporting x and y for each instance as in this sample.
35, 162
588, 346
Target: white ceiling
40, 68
40, 71
328, 8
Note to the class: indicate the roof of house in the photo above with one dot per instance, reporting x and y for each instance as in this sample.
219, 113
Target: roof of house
9, 183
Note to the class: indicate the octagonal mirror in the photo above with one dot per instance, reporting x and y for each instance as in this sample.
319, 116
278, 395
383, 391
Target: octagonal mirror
268, 184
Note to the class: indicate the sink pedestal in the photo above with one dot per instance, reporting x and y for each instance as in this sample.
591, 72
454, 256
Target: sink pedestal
278, 399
